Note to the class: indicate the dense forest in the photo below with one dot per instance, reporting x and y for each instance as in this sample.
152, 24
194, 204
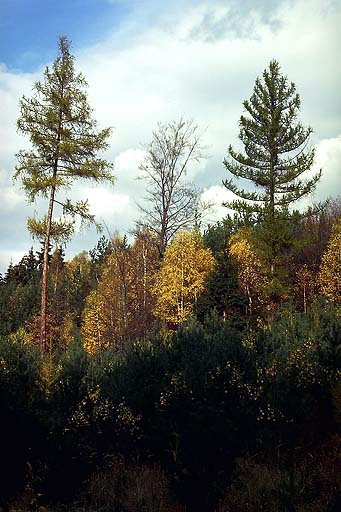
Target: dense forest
189, 367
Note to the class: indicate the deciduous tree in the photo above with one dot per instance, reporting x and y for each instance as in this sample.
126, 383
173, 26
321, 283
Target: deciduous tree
145, 264
251, 272
182, 277
95, 323
171, 202
65, 141
110, 302
330, 270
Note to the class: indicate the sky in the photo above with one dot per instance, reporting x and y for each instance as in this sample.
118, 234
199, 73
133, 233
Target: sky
150, 61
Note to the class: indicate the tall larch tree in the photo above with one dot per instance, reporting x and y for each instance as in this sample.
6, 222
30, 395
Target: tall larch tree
65, 145
275, 155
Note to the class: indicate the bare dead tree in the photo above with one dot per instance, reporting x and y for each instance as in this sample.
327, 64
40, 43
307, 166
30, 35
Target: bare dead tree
171, 203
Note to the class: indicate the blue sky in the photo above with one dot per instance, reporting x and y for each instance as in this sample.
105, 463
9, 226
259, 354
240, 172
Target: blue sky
29, 28
148, 61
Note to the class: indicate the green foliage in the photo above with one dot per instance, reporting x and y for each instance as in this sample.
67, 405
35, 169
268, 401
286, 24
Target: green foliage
298, 367
19, 293
222, 293
98, 256
274, 161
273, 140
192, 403
65, 139
20, 428
277, 255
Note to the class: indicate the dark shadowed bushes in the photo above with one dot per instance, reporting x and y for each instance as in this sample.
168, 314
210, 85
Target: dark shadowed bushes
21, 425
184, 409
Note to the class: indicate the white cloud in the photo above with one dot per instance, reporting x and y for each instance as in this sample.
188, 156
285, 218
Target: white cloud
10, 198
117, 206
216, 196
104, 203
126, 165
7, 256
328, 158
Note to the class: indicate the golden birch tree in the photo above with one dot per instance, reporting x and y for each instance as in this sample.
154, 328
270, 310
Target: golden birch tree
182, 276
251, 273
330, 270
123, 301
145, 262
94, 328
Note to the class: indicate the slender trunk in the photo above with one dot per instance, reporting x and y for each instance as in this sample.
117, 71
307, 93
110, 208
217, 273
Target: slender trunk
249, 299
48, 235
304, 298
144, 319
272, 212
182, 305
56, 283
45, 271
144, 256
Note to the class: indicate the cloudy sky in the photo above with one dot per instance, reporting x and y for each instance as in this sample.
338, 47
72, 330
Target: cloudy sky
150, 60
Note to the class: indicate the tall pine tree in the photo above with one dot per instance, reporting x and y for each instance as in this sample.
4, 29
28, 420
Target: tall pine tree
65, 141
275, 158
275, 142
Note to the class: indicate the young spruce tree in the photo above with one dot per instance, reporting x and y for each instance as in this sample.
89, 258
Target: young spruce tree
274, 158
65, 142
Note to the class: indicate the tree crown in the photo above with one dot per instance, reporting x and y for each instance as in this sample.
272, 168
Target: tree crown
275, 155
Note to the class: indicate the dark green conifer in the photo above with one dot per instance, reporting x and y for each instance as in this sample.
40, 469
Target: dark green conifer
275, 143
275, 157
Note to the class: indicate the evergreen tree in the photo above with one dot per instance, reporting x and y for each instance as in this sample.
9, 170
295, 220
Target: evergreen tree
98, 256
222, 292
274, 160
65, 143
19, 293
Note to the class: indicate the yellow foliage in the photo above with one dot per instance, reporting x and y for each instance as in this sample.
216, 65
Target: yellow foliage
251, 272
181, 278
66, 329
306, 284
48, 374
330, 271
121, 308
21, 336
94, 323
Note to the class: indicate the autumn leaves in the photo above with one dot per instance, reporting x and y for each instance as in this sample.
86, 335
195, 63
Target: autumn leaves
136, 289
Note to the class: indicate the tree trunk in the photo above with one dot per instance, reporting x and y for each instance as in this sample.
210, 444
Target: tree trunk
45, 272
